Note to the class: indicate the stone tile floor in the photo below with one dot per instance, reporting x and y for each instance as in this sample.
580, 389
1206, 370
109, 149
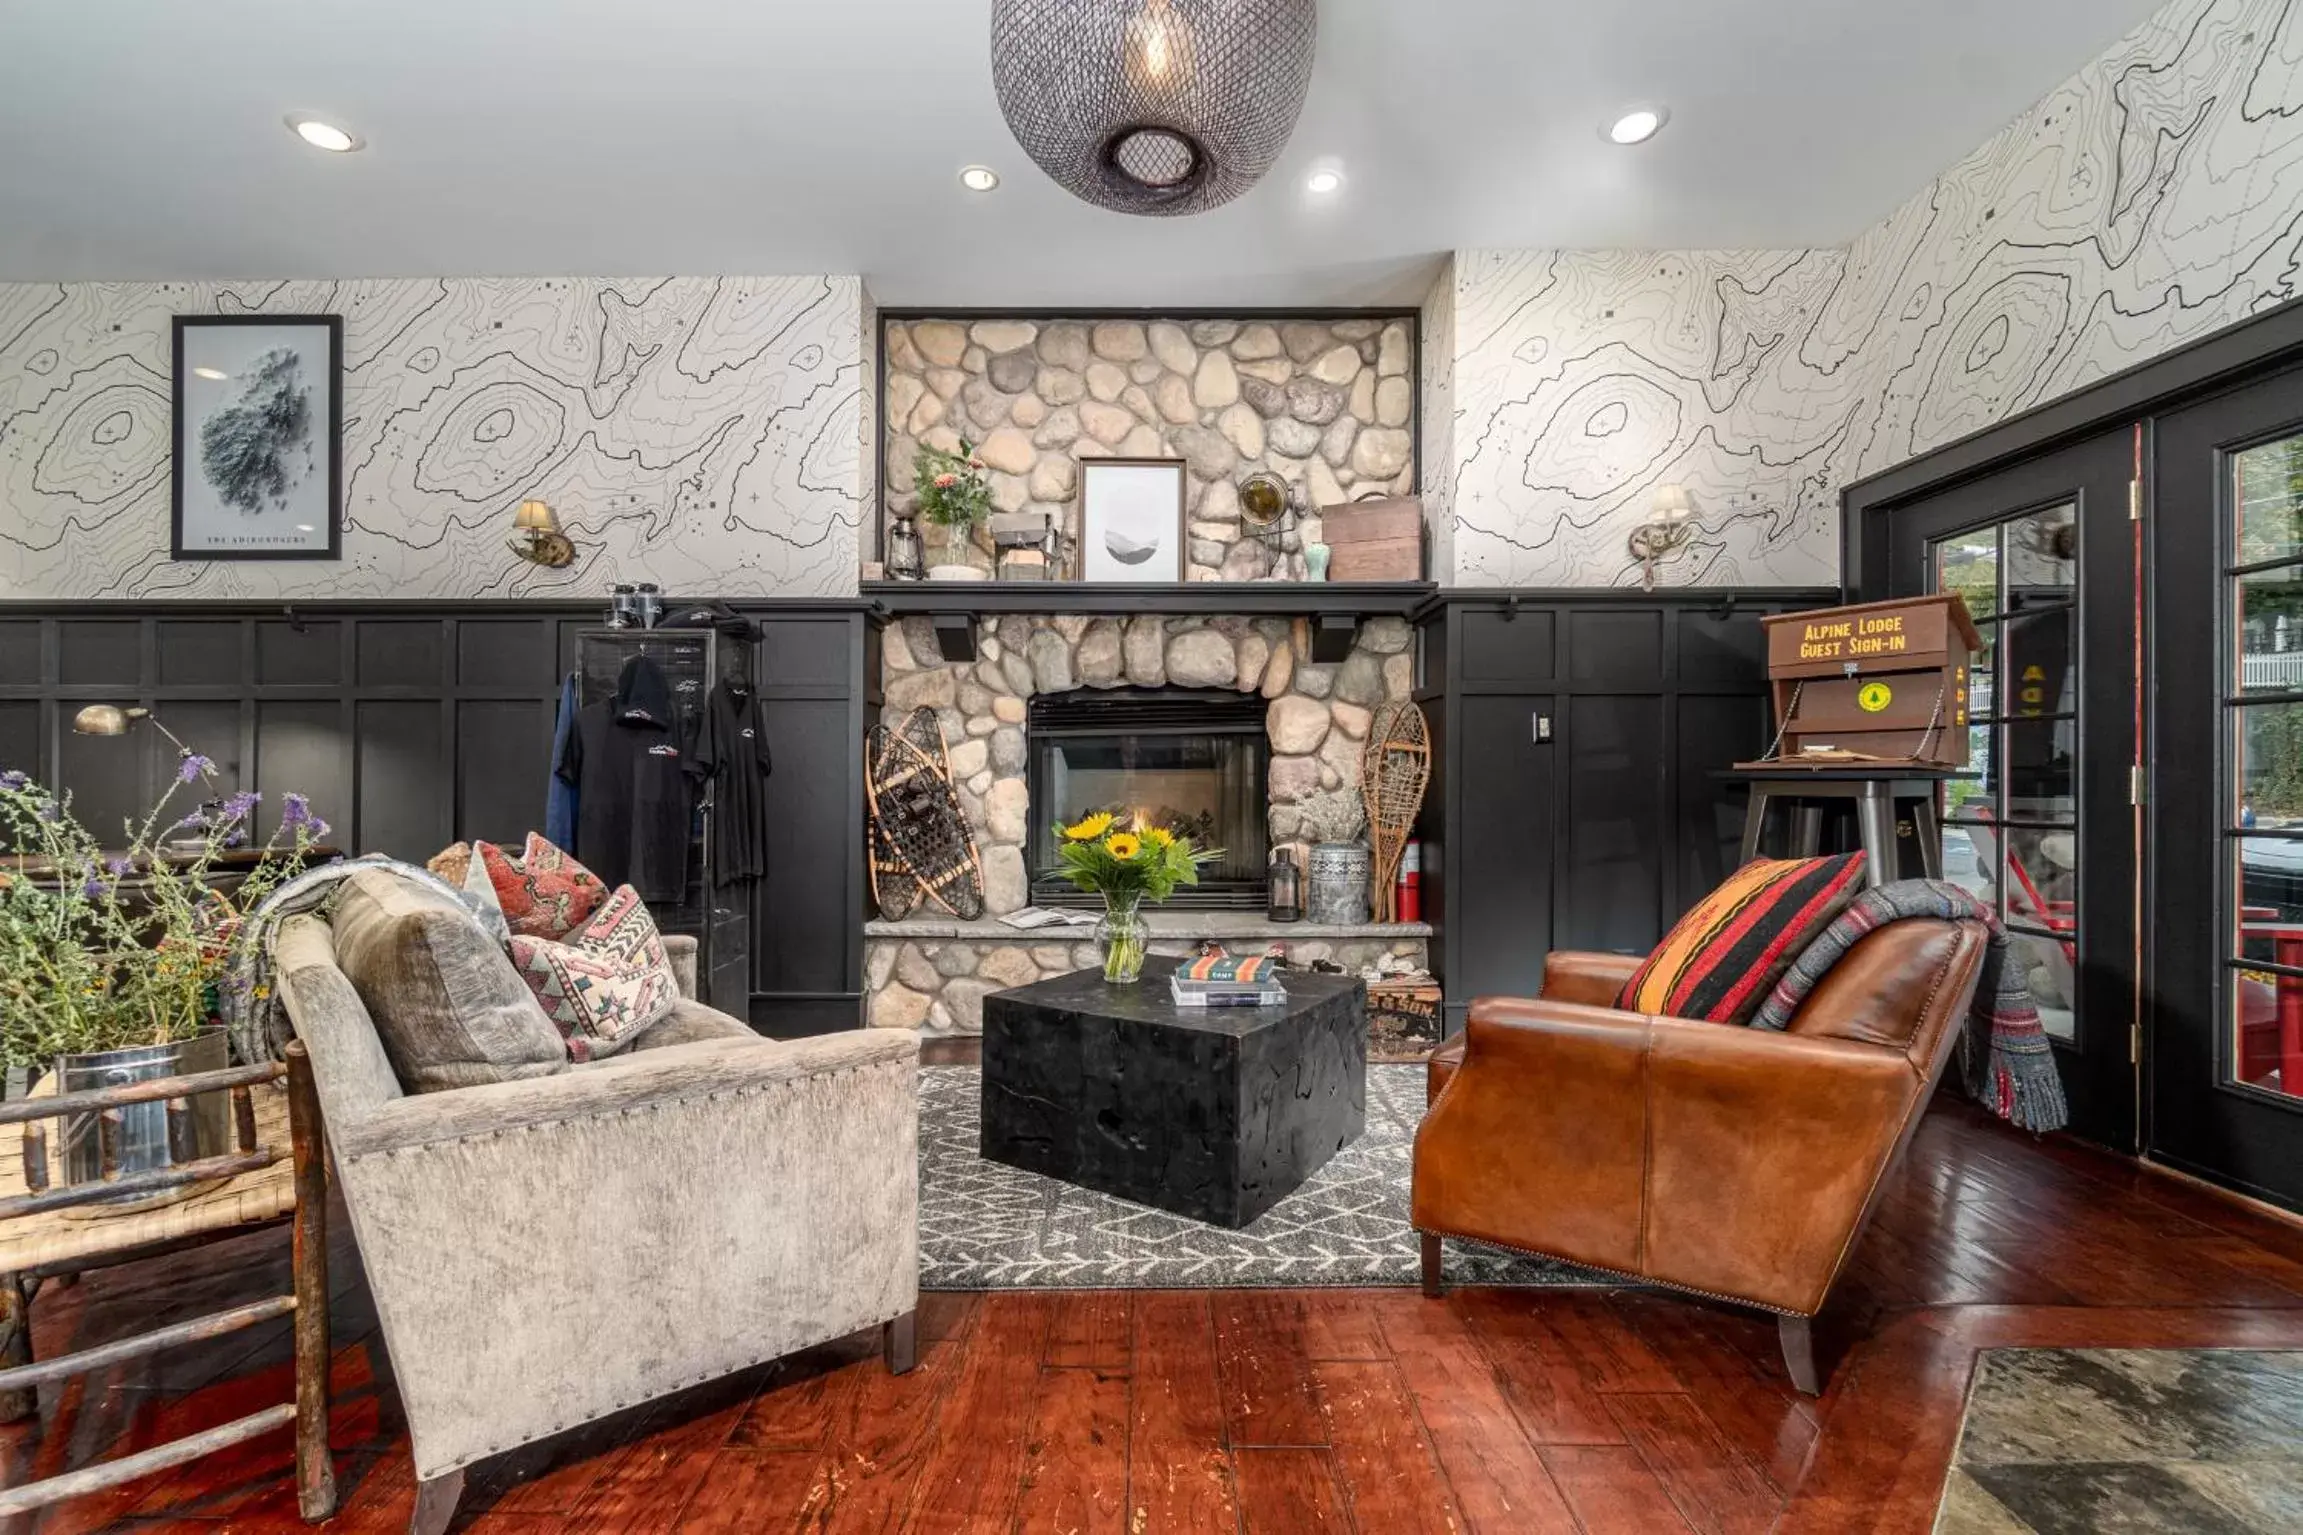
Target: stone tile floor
2106, 1441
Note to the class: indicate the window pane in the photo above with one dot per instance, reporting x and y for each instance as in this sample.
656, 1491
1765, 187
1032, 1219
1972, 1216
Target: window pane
1982, 680
1969, 565
2040, 676
2270, 891
2270, 756
2039, 765
2043, 878
2268, 631
2267, 489
2051, 968
2267, 1031
2042, 556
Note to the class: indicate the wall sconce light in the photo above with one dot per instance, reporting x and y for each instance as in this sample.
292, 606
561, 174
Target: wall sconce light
1674, 523
112, 720
537, 538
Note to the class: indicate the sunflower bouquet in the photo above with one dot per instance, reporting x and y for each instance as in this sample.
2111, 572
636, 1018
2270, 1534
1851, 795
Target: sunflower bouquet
1127, 866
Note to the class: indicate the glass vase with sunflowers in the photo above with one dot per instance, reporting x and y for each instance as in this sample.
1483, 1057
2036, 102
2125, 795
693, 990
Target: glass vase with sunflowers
1127, 866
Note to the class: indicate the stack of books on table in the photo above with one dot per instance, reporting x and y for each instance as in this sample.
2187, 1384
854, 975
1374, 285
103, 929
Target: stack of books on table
1220, 980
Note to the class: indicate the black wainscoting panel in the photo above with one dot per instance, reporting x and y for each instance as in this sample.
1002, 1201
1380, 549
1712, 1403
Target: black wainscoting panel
305, 652
20, 737
507, 653
300, 749
19, 652
504, 749
1708, 814
805, 653
1601, 837
216, 728
1721, 649
1502, 647
400, 653
100, 652
1500, 862
800, 924
401, 767
103, 774
1616, 649
200, 652
1610, 891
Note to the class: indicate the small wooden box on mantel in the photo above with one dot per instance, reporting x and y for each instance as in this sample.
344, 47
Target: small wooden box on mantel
1875, 682
1374, 540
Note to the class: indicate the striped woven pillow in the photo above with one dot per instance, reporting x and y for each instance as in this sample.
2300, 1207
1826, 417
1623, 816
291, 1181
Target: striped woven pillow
1722, 959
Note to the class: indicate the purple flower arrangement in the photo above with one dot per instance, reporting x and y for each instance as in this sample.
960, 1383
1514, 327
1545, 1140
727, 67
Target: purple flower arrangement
109, 947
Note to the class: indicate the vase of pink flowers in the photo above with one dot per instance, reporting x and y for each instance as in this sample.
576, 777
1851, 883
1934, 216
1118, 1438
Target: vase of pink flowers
954, 499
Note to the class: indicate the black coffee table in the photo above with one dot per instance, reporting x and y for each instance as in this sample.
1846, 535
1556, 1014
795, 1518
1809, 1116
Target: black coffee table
1217, 1113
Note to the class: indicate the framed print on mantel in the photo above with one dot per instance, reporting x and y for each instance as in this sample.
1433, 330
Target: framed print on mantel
1131, 519
258, 466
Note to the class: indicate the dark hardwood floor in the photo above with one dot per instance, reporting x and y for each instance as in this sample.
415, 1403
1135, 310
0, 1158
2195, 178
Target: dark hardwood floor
1372, 1411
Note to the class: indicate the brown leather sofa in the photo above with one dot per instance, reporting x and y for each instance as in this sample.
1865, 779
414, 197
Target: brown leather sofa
1735, 1163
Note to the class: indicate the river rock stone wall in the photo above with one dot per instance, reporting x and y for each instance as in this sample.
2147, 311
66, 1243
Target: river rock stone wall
1318, 715
1327, 404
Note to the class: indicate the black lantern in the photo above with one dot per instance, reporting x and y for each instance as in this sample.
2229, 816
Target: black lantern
1153, 106
906, 559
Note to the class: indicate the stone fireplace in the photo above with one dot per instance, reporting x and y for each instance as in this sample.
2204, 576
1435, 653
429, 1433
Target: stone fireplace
1117, 699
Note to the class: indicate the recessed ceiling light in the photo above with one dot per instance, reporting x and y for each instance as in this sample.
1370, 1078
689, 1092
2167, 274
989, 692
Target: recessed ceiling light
979, 178
1637, 126
321, 134
1323, 181
214, 373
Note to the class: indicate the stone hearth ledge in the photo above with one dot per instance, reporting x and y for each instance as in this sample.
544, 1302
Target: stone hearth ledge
933, 975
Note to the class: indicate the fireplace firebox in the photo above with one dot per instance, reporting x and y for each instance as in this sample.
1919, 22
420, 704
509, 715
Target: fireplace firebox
1193, 762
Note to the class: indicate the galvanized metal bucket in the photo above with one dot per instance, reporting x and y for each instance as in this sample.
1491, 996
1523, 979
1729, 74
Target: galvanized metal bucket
142, 1141
1337, 884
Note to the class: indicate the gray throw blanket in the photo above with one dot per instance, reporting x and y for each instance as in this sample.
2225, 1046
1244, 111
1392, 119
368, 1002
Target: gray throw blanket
247, 998
2006, 1058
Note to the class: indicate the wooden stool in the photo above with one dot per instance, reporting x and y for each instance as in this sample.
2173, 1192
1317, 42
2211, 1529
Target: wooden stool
1878, 795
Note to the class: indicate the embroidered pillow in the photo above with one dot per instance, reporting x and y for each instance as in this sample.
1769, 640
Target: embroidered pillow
606, 983
1722, 959
544, 892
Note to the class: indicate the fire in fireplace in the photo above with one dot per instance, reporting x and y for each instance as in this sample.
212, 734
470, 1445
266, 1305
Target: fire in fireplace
1192, 762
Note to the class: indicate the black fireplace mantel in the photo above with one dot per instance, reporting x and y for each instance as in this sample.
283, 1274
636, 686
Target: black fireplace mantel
1335, 608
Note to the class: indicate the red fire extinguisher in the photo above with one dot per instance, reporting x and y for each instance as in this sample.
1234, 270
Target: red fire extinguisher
1409, 897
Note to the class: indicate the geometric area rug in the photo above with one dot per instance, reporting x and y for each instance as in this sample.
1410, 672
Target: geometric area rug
2204, 1441
987, 1226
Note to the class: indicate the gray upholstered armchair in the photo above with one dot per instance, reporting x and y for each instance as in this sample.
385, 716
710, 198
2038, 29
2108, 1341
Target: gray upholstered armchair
546, 1251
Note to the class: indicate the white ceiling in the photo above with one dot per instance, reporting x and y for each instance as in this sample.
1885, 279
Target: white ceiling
617, 137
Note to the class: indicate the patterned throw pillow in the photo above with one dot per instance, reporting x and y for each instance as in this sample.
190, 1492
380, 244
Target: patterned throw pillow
451, 863
1724, 957
544, 893
606, 983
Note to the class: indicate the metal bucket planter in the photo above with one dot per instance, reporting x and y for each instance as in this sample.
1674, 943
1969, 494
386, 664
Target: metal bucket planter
1337, 883
141, 1141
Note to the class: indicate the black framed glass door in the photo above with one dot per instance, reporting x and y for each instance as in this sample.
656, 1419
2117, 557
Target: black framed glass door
2041, 825
2225, 1071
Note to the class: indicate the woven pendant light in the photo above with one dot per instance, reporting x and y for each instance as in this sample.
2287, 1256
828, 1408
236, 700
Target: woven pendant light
1153, 106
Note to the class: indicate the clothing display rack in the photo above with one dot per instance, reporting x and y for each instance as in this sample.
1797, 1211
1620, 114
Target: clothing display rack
717, 915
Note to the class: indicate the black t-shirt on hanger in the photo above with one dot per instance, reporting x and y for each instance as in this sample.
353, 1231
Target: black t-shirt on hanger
731, 752
634, 800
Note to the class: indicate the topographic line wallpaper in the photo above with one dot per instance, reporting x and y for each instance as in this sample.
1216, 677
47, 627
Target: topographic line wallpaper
2153, 197
703, 433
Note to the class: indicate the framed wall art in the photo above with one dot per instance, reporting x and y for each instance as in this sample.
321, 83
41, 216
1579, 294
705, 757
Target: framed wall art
258, 468
1131, 519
